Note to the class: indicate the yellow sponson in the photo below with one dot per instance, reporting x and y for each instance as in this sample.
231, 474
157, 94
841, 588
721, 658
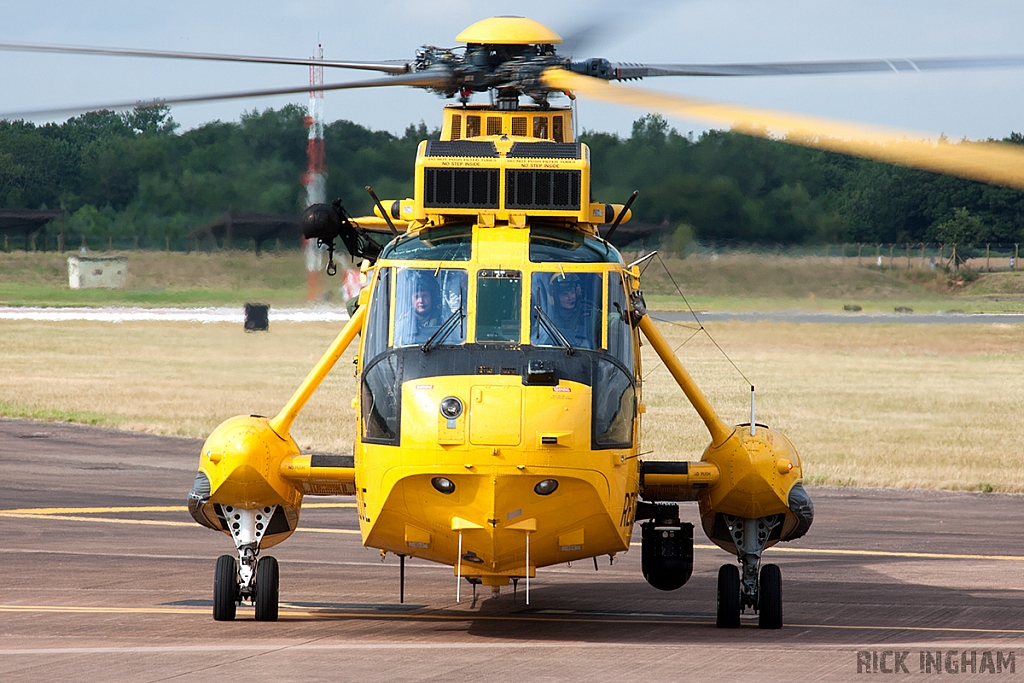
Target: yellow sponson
509, 31
755, 479
242, 460
756, 471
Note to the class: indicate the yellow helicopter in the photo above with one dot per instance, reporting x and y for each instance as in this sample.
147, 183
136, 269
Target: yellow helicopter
500, 397
500, 392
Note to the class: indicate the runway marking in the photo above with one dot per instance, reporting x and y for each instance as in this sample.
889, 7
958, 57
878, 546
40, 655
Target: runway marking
287, 612
147, 508
105, 520
155, 522
65, 511
269, 649
72, 515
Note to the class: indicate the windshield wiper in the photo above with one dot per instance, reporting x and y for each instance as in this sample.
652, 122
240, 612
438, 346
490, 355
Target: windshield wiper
446, 327
553, 330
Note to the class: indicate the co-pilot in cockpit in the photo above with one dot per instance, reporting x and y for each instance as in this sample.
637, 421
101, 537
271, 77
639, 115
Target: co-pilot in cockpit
427, 300
571, 304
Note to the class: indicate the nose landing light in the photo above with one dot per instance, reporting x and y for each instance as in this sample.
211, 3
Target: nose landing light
451, 407
443, 485
546, 487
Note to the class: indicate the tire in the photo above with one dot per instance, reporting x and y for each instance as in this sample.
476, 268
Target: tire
268, 580
770, 597
225, 589
728, 597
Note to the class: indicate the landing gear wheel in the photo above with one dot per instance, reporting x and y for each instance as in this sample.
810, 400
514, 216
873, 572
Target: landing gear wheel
728, 597
225, 589
268, 580
770, 597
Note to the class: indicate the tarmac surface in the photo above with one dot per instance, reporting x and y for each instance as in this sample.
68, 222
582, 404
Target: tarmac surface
105, 577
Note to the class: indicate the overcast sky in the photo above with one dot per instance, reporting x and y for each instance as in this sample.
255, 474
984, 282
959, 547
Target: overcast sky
966, 104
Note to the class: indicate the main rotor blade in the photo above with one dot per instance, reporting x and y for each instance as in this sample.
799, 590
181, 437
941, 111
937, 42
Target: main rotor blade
425, 79
626, 71
988, 162
383, 67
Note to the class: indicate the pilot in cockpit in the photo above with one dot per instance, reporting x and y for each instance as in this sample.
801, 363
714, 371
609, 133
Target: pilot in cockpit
423, 316
570, 310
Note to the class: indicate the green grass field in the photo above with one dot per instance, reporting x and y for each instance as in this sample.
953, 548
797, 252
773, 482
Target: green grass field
160, 279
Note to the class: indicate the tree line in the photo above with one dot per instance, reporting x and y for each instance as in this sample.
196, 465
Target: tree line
134, 178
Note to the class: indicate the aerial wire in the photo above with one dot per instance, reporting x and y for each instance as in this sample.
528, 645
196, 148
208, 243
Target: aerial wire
699, 323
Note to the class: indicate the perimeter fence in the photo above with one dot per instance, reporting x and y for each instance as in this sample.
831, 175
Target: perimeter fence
979, 257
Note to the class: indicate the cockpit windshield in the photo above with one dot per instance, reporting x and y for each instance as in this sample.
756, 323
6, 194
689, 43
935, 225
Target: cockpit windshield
426, 299
446, 243
549, 244
571, 302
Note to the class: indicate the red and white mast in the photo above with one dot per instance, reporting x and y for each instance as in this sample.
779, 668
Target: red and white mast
316, 173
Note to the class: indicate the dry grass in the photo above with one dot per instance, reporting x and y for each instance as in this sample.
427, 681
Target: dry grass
873, 405
173, 378
867, 405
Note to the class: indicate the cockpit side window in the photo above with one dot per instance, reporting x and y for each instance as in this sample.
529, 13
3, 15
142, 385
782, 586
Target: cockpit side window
620, 334
429, 302
571, 304
614, 406
380, 312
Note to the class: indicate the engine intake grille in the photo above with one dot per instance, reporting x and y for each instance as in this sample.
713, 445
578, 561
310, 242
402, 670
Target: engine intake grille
550, 190
545, 150
461, 188
461, 148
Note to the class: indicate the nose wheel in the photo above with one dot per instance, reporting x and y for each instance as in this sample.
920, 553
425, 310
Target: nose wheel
249, 577
732, 599
262, 588
769, 613
225, 588
267, 581
728, 597
760, 586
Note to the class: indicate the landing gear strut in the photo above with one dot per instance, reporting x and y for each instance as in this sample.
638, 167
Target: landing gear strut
246, 578
760, 586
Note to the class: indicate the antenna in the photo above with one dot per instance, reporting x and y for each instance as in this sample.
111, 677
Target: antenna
753, 425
